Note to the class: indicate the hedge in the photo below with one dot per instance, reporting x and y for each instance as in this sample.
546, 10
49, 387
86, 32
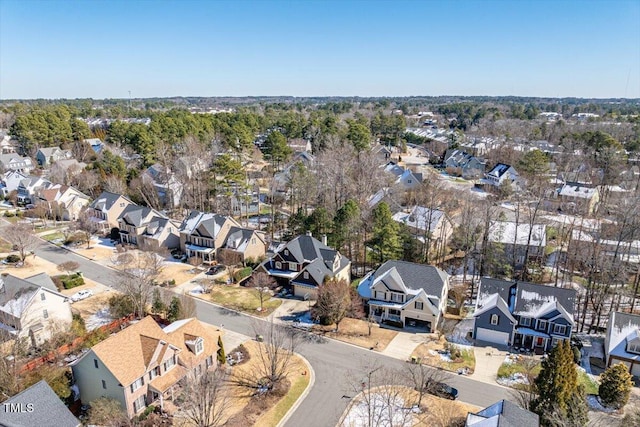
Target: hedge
242, 273
68, 281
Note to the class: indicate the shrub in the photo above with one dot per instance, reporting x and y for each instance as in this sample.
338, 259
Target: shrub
78, 327
68, 281
615, 386
9, 214
94, 337
146, 413
576, 355
243, 273
120, 306
13, 258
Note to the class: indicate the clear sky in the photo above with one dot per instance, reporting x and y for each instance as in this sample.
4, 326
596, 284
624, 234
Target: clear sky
103, 49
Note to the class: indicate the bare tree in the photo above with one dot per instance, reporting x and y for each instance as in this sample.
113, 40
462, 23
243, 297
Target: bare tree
22, 238
68, 266
107, 412
276, 347
336, 300
206, 398
87, 226
525, 394
422, 379
137, 278
115, 184
263, 284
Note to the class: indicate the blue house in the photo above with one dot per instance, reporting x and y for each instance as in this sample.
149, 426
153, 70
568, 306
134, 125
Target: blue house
524, 315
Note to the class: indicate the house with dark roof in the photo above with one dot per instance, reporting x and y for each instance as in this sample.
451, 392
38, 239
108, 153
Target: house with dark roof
304, 263
143, 364
461, 163
525, 315
622, 341
46, 156
402, 178
243, 244
37, 405
501, 173
201, 234
107, 208
503, 414
32, 309
168, 188
148, 228
406, 294
29, 187
15, 162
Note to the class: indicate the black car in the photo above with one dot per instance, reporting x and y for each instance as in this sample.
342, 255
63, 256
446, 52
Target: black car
442, 390
215, 270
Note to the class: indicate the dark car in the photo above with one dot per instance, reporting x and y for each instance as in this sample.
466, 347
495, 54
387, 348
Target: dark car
442, 390
215, 270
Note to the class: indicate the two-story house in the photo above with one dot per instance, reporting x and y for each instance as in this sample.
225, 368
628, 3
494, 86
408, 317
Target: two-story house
201, 234
243, 244
48, 155
63, 202
304, 263
168, 188
107, 208
578, 198
622, 341
525, 315
403, 178
501, 173
460, 163
15, 162
29, 188
148, 228
10, 182
406, 294
142, 364
32, 309
519, 241
431, 226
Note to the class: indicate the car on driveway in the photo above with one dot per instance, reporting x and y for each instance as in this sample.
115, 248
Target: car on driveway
442, 390
215, 270
79, 296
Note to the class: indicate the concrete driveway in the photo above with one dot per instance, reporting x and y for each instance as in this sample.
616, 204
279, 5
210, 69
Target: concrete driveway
489, 357
402, 345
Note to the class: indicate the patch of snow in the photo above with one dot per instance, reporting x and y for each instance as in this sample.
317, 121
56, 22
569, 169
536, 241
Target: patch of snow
594, 403
197, 290
461, 332
517, 378
100, 318
380, 411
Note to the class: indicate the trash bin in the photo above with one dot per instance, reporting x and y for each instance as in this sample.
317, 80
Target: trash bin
259, 338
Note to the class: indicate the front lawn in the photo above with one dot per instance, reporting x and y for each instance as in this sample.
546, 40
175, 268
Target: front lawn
445, 355
590, 385
243, 299
50, 237
356, 332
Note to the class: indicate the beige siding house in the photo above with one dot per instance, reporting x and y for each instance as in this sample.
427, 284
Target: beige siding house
201, 234
107, 208
142, 364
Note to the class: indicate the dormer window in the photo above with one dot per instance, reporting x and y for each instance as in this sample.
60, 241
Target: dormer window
633, 346
199, 345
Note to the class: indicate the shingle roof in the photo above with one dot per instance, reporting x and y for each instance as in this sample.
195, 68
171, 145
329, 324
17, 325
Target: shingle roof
503, 414
140, 215
420, 218
417, 276
47, 409
15, 293
499, 170
508, 233
105, 201
205, 224
622, 326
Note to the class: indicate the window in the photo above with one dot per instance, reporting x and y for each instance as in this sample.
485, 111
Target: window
293, 266
209, 361
138, 404
104, 384
525, 321
559, 329
542, 325
170, 363
494, 319
137, 384
419, 305
253, 241
199, 345
45, 314
43, 296
278, 265
95, 363
286, 251
305, 274
155, 372
633, 347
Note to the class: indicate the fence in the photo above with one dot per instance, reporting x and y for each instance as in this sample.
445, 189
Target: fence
76, 344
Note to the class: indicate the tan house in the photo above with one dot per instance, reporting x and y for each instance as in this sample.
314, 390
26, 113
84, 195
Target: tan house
142, 364
148, 228
201, 234
63, 201
243, 244
32, 309
107, 208
304, 263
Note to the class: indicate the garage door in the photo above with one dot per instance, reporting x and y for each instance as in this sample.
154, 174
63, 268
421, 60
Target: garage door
417, 323
305, 292
492, 336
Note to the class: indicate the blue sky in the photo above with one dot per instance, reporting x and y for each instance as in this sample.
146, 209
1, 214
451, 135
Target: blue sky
103, 49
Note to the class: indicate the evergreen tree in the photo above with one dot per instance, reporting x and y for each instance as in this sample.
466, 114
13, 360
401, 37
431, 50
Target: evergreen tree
158, 305
615, 386
222, 357
386, 233
175, 309
559, 395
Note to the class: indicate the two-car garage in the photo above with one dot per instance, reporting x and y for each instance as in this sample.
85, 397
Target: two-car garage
489, 335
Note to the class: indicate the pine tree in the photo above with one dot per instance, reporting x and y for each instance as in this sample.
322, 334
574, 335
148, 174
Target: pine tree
615, 386
222, 357
175, 310
386, 233
559, 395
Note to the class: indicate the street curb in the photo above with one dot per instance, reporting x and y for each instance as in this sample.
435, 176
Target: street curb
305, 393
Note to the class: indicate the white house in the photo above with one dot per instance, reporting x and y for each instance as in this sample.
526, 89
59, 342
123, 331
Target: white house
622, 342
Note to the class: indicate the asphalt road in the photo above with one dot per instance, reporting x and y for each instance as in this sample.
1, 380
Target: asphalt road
334, 362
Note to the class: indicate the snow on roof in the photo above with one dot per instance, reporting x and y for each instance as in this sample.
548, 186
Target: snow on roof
622, 327
578, 191
419, 217
508, 233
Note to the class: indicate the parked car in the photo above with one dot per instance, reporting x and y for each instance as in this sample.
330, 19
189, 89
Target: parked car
442, 390
215, 270
80, 295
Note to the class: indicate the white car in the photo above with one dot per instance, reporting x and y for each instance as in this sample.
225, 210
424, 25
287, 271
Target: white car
78, 296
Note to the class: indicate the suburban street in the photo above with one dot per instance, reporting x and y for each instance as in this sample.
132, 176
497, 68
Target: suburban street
333, 362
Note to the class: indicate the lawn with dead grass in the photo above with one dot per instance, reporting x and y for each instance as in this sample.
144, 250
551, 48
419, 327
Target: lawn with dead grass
461, 358
356, 332
243, 299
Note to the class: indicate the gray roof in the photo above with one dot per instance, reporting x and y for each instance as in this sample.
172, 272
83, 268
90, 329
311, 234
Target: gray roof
306, 249
47, 409
503, 414
622, 327
203, 224
527, 298
140, 215
15, 293
105, 201
417, 276
42, 280
499, 169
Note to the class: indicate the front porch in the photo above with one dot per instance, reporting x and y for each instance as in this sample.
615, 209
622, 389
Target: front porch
382, 311
531, 340
207, 255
